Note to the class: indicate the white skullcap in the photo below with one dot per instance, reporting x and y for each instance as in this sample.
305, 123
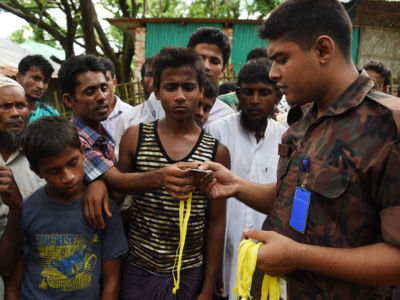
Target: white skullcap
5, 81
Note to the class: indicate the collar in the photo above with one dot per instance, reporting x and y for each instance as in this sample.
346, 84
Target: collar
349, 99
11, 158
89, 134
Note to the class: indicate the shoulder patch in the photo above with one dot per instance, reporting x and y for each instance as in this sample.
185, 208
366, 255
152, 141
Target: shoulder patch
390, 102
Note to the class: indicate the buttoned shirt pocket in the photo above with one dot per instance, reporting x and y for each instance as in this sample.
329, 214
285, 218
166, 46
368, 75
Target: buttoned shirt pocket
327, 186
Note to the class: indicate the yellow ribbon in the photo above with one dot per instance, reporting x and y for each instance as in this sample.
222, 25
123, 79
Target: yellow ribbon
246, 265
183, 222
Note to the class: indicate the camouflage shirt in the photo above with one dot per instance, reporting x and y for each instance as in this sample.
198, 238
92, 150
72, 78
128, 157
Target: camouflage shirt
354, 181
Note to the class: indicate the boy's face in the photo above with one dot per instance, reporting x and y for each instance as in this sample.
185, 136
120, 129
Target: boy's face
203, 110
212, 60
257, 100
179, 92
34, 83
90, 104
63, 174
295, 72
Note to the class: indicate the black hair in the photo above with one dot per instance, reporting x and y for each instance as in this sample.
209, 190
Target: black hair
255, 70
259, 52
227, 87
71, 68
303, 21
38, 61
210, 90
212, 35
174, 57
48, 136
108, 65
143, 68
381, 69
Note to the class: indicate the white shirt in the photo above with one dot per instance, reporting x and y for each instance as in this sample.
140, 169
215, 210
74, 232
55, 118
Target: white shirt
120, 107
152, 110
27, 182
253, 161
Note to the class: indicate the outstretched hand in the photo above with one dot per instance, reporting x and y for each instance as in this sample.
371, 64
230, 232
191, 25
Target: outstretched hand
278, 255
177, 180
9, 190
220, 184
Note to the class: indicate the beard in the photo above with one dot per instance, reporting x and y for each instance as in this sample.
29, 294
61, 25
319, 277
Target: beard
10, 140
253, 125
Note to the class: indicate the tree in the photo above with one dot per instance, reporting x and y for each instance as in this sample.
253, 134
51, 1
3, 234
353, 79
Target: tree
80, 17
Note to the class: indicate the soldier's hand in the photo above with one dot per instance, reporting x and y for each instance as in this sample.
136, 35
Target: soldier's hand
220, 184
278, 255
9, 190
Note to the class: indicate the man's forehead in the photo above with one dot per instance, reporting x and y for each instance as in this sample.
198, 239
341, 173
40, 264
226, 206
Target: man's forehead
209, 49
90, 78
13, 91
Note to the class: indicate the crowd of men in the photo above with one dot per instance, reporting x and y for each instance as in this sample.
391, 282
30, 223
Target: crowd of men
152, 201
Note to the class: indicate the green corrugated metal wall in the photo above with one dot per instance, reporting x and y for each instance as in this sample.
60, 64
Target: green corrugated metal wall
159, 35
245, 38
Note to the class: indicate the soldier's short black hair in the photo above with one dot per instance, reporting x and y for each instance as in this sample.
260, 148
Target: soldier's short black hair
71, 68
38, 61
145, 64
259, 52
303, 21
48, 136
108, 65
381, 69
174, 57
210, 90
256, 70
212, 35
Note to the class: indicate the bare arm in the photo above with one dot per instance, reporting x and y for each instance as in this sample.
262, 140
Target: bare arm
377, 264
215, 233
121, 179
13, 283
11, 241
111, 279
222, 184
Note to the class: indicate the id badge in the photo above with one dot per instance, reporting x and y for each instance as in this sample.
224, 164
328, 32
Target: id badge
301, 203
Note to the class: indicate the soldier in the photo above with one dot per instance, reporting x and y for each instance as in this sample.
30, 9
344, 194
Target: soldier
333, 225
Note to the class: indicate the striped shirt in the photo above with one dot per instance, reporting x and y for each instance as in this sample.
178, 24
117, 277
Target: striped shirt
154, 229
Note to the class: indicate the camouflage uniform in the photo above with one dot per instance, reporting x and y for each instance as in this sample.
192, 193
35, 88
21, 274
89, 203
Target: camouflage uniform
354, 181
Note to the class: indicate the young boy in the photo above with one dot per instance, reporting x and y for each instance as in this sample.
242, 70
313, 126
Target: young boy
154, 232
63, 256
252, 138
205, 103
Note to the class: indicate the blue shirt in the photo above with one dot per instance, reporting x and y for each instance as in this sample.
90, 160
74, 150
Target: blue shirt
63, 254
41, 111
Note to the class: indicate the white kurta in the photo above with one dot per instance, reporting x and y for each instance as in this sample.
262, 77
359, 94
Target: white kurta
253, 161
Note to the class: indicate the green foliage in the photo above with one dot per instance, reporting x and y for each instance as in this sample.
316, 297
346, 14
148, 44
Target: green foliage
214, 9
260, 8
18, 36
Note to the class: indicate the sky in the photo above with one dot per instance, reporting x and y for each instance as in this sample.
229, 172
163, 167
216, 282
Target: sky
9, 23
